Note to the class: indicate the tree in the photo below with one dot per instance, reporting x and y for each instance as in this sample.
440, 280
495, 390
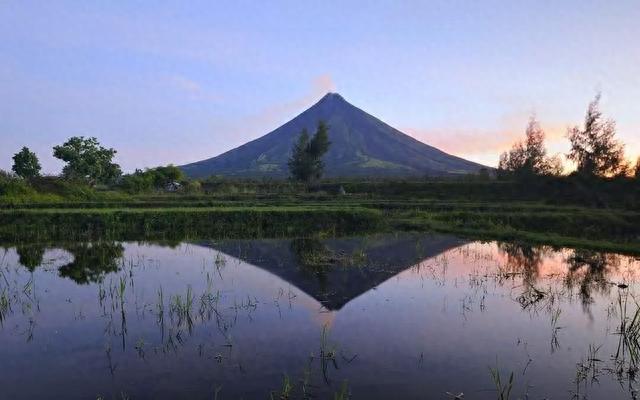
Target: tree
137, 182
87, 160
305, 163
299, 163
555, 166
26, 164
637, 170
594, 148
155, 178
529, 158
162, 176
318, 147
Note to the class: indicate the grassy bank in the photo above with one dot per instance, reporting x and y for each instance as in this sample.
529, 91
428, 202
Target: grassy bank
169, 223
618, 193
606, 230
556, 212
611, 230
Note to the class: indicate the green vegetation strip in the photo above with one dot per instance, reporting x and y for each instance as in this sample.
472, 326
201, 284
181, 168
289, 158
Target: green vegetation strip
197, 218
588, 229
47, 224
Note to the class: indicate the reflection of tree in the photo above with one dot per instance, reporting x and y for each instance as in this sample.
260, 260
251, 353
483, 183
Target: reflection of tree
91, 261
314, 257
524, 259
30, 256
168, 243
312, 253
588, 270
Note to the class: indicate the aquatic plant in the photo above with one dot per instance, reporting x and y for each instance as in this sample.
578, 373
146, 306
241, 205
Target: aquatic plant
181, 307
588, 368
5, 304
285, 390
555, 316
503, 389
343, 394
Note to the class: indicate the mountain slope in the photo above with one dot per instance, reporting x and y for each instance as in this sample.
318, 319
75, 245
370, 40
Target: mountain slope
361, 145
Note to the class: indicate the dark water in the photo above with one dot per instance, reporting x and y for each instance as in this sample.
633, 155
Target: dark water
386, 316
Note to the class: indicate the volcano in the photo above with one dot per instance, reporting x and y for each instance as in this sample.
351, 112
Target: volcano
361, 146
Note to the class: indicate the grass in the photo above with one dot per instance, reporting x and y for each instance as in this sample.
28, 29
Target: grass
503, 389
594, 229
5, 305
157, 223
603, 230
629, 331
561, 213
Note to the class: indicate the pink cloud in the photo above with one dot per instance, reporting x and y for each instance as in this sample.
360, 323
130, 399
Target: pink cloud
476, 141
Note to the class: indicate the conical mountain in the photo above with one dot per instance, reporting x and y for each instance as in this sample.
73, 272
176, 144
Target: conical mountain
361, 145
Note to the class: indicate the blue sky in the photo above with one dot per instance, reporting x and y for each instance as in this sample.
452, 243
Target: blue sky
175, 82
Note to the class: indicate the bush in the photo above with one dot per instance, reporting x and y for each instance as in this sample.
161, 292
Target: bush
152, 179
11, 186
68, 189
191, 187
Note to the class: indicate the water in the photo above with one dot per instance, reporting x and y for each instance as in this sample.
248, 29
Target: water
378, 317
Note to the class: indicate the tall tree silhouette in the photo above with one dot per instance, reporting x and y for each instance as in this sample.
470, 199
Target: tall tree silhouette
594, 147
529, 158
306, 162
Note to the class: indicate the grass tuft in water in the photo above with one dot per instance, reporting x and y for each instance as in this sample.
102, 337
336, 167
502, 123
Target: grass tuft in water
503, 389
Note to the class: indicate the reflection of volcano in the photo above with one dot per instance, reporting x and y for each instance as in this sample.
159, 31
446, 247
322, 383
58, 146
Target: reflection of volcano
344, 268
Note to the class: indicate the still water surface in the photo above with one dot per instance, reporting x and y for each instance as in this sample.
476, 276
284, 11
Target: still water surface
377, 317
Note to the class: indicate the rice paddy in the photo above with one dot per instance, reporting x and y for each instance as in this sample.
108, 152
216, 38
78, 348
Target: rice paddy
377, 316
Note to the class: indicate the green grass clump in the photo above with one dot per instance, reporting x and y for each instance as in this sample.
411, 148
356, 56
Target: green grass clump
140, 223
598, 215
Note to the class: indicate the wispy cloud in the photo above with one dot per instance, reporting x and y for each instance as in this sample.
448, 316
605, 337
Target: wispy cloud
231, 133
271, 117
319, 87
186, 84
194, 90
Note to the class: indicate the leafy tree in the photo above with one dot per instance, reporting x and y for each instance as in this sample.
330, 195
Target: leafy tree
87, 160
529, 158
511, 161
594, 148
155, 178
305, 163
139, 181
26, 164
299, 163
162, 176
318, 147
192, 186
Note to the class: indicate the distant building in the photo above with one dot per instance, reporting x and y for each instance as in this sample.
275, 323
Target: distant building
172, 186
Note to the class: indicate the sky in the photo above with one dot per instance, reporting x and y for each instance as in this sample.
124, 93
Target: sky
176, 82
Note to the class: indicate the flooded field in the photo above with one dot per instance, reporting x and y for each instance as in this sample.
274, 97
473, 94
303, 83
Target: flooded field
377, 317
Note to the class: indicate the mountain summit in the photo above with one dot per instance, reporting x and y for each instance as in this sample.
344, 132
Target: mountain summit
361, 145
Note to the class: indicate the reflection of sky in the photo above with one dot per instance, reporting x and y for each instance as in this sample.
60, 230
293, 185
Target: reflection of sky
418, 332
182, 82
